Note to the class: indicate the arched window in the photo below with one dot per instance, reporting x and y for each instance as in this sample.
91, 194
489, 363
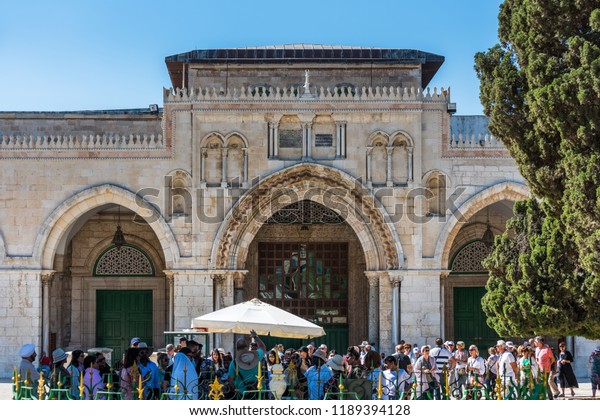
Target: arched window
127, 260
235, 161
436, 204
469, 258
179, 194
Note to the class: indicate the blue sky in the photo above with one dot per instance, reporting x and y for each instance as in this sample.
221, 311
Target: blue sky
93, 55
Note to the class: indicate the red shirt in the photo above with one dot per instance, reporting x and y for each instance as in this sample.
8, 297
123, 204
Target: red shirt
545, 358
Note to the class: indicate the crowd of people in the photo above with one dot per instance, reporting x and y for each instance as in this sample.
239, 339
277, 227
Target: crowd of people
440, 371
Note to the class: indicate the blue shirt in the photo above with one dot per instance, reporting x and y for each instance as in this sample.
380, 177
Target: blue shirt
316, 381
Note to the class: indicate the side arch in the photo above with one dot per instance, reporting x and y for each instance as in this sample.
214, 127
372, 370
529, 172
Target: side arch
403, 134
234, 135
509, 190
65, 215
328, 186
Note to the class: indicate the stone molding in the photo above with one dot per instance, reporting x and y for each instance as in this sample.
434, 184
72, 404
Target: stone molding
509, 190
377, 236
67, 213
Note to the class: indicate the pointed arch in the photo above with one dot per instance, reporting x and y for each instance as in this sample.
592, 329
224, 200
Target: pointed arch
509, 190
324, 185
378, 136
236, 137
58, 224
401, 136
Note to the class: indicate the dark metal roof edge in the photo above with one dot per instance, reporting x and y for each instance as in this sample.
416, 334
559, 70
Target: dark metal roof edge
273, 55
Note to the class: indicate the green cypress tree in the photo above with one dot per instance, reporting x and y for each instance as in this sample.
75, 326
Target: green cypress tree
540, 86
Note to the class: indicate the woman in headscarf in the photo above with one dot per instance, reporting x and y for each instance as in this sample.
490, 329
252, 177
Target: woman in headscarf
184, 379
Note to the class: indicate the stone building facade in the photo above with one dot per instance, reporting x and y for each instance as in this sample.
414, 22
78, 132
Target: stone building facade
330, 181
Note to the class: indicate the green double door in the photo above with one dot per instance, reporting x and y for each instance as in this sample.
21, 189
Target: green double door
121, 315
470, 320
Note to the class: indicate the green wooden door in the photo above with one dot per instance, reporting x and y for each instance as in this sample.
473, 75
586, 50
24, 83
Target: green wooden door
469, 319
121, 315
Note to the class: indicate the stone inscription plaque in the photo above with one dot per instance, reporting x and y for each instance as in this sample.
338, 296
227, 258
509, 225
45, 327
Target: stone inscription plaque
290, 138
323, 140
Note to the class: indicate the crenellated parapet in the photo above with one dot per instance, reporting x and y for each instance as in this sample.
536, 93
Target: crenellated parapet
475, 141
249, 93
83, 142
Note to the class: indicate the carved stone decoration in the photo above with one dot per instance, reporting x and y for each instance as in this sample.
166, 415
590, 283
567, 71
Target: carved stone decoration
124, 260
263, 200
470, 258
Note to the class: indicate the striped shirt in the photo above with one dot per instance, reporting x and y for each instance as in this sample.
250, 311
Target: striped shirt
442, 356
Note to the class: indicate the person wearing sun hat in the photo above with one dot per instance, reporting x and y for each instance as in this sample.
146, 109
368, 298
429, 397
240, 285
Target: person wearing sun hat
60, 377
243, 371
594, 360
318, 375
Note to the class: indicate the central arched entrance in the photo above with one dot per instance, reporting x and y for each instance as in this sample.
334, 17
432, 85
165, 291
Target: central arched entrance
308, 261
309, 233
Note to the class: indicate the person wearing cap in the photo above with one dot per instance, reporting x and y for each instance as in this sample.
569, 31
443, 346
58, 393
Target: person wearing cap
26, 368
243, 370
546, 361
594, 361
60, 375
149, 371
442, 356
507, 366
318, 375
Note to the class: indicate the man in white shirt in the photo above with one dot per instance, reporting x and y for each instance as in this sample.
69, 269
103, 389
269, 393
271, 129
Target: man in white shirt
507, 366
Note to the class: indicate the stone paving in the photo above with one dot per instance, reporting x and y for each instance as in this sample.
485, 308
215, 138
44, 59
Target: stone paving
584, 392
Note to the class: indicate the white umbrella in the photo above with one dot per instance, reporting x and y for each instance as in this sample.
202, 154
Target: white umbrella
255, 315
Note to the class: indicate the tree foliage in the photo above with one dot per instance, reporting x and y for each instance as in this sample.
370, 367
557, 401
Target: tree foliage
540, 86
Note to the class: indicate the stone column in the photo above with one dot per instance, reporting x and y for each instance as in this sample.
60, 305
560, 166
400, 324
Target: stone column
170, 279
203, 167
309, 140
343, 151
224, 168
270, 139
46, 279
245, 180
390, 153
373, 278
275, 140
369, 181
410, 163
218, 280
396, 281
338, 140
